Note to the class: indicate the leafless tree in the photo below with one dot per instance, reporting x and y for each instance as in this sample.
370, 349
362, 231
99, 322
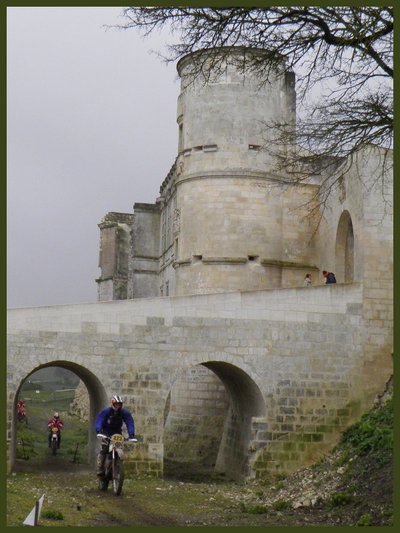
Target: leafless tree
342, 56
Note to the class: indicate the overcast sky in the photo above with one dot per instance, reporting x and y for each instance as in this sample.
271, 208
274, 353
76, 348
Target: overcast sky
91, 129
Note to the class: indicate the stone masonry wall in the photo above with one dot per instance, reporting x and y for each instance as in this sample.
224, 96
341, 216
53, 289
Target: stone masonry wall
115, 245
366, 193
216, 212
145, 252
80, 405
198, 409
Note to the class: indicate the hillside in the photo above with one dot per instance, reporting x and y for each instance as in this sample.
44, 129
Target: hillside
351, 486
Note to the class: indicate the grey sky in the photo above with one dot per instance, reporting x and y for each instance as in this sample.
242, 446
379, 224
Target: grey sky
91, 129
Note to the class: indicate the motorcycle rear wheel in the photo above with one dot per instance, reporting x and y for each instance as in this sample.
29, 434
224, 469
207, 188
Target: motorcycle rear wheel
118, 479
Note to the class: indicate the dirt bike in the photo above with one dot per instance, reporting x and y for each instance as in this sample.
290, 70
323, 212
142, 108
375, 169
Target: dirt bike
21, 416
54, 440
113, 465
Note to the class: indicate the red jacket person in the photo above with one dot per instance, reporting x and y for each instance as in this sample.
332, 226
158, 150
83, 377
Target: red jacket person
55, 422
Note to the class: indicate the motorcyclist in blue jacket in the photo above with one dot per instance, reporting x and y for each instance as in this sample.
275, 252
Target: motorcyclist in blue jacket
108, 422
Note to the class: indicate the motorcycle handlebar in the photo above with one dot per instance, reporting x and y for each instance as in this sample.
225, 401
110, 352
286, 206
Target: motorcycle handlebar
100, 435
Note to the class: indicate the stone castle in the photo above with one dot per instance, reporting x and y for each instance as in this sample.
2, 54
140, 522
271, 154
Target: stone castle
226, 219
202, 321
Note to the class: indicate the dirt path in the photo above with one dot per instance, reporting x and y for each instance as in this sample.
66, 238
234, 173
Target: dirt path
302, 499
50, 464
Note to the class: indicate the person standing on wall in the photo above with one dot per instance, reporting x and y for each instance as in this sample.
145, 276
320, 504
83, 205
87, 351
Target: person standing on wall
329, 277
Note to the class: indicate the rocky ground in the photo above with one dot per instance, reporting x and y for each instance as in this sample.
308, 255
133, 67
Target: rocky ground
329, 493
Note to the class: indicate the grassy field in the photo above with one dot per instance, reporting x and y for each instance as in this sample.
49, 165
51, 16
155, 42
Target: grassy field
32, 436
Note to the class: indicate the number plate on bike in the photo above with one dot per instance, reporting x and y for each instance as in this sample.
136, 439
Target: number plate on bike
117, 438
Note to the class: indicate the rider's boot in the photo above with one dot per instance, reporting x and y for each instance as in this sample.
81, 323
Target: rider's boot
100, 466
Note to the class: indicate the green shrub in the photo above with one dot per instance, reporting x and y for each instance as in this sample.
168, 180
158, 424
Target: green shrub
279, 485
340, 498
364, 520
281, 505
50, 514
318, 463
344, 457
26, 439
253, 509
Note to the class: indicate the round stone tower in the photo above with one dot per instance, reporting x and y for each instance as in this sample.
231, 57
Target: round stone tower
235, 228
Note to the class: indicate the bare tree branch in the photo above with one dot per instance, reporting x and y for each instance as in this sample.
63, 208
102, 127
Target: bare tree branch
346, 53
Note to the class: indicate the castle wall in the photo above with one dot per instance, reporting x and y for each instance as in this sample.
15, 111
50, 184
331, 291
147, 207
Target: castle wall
241, 233
145, 252
114, 257
239, 227
227, 114
169, 235
365, 193
374, 167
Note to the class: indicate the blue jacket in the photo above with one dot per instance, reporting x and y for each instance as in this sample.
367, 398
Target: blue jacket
330, 278
109, 422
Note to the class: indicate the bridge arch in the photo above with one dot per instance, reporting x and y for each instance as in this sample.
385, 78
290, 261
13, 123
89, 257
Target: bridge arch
97, 398
344, 249
210, 414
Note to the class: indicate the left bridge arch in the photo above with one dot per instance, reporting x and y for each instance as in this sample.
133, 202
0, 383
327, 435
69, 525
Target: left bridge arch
95, 389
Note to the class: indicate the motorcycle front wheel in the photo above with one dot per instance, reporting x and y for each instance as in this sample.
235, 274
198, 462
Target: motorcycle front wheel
118, 478
103, 484
54, 446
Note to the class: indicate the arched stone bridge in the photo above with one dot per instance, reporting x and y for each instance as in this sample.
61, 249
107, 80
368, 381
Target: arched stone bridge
297, 365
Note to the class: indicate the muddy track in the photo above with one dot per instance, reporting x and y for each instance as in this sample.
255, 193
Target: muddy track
51, 464
137, 516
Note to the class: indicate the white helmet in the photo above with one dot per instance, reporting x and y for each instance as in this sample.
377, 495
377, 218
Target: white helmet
116, 402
